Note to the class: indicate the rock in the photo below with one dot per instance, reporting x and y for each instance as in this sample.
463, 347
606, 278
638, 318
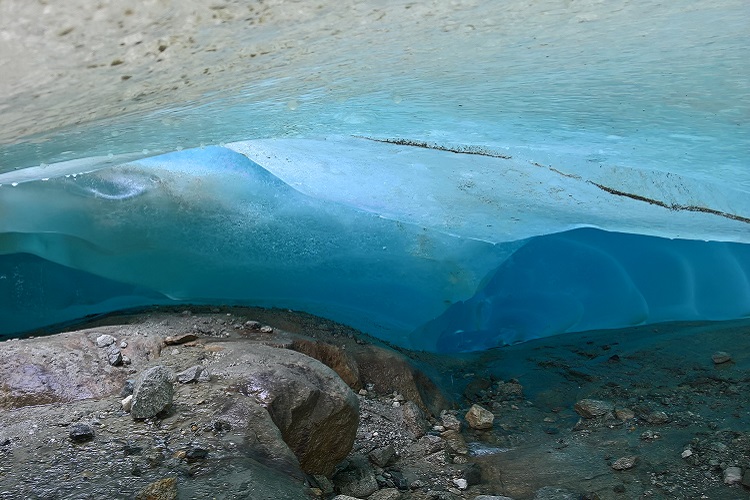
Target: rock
624, 414
357, 480
316, 412
427, 445
105, 340
450, 421
479, 418
163, 489
746, 479
455, 442
123, 345
624, 463
657, 418
192, 374
552, 493
461, 484
196, 452
509, 390
80, 433
344, 497
686, 453
180, 339
127, 403
333, 357
153, 393
415, 419
720, 357
472, 473
114, 357
262, 441
382, 457
62, 368
325, 484
491, 497
732, 475
385, 494
593, 408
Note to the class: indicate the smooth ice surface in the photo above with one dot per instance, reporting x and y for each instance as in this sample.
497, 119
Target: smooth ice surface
447, 175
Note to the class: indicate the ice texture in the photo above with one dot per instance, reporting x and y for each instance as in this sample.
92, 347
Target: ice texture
449, 176
440, 248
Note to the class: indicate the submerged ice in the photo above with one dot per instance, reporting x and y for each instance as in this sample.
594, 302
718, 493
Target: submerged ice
441, 248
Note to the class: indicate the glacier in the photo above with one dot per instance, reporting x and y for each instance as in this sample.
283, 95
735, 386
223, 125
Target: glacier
559, 169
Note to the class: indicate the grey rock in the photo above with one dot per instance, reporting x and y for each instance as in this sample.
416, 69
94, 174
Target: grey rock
720, 357
746, 478
625, 463
382, 457
450, 421
357, 480
491, 497
105, 340
80, 433
325, 485
344, 497
593, 408
479, 418
455, 442
262, 440
732, 475
153, 393
414, 419
192, 374
114, 357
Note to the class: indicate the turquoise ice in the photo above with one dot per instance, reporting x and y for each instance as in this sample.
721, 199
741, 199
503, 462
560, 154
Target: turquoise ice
512, 172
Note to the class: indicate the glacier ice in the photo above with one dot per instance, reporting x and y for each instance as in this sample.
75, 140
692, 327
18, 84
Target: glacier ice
549, 168
430, 247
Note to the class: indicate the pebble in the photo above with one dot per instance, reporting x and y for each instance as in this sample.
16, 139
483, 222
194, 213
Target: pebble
114, 357
192, 374
732, 475
127, 403
686, 453
720, 357
461, 484
624, 463
593, 408
80, 433
479, 418
123, 345
105, 340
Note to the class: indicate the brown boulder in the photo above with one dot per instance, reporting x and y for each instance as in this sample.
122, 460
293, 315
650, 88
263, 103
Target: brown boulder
316, 412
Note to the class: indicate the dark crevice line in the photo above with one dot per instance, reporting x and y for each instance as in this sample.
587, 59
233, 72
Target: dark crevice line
674, 206
553, 169
466, 150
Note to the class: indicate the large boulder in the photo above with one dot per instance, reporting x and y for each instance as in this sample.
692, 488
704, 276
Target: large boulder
68, 367
261, 439
316, 412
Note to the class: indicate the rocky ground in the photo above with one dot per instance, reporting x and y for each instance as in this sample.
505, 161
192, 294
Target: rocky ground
270, 404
